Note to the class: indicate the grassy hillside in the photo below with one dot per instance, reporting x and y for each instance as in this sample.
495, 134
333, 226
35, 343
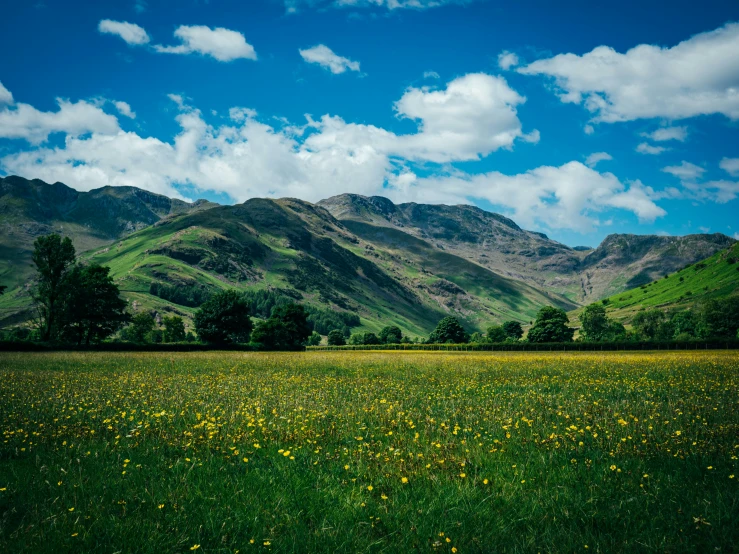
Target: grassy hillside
714, 277
295, 248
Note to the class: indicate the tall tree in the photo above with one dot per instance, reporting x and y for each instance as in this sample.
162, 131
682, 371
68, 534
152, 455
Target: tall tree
54, 258
224, 319
496, 333
647, 323
93, 309
448, 330
141, 328
336, 338
551, 326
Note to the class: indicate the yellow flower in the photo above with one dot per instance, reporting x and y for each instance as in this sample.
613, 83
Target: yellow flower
194, 547
286, 453
404, 480
246, 460
463, 475
613, 468
267, 543
485, 481
369, 488
346, 466
454, 549
71, 509
160, 506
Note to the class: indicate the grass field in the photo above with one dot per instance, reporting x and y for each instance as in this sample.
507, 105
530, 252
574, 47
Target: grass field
369, 452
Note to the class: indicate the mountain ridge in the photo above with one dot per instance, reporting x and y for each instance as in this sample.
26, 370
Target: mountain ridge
407, 264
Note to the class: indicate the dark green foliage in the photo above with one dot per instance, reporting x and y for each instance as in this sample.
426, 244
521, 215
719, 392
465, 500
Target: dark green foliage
174, 329
371, 338
92, 308
478, 338
721, 317
551, 326
390, 334
449, 330
286, 329
313, 340
192, 296
140, 329
336, 338
224, 319
646, 323
364, 339
598, 327
2, 289
513, 330
496, 334
261, 303
54, 258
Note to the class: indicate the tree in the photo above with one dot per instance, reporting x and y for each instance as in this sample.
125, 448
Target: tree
478, 338
370, 339
390, 335
496, 333
336, 338
551, 326
140, 329
174, 329
2, 289
54, 258
224, 319
448, 330
92, 308
721, 317
286, 329
314, 339
646, 323
595, 324
513, 330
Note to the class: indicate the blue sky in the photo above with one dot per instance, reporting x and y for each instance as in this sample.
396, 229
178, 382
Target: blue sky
573, 120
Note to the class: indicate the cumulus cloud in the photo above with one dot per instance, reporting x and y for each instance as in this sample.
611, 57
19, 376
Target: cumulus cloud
667, 133
730, 165
507, 60
5, 95
245, 157
686, 171
326, 58
696, 77
130, 32
565, 197
23, 121
222, 44
124, 109
645, 148
593, 159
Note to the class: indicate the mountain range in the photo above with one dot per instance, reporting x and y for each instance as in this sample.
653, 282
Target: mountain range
405, 264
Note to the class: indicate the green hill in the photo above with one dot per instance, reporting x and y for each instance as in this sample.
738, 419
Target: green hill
715, 277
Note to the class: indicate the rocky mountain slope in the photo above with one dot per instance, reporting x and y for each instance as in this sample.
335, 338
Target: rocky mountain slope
497, 243
409, 264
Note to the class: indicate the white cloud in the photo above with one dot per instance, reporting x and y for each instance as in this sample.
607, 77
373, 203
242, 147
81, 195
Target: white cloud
5, 95
667, 133
130, 32
245, 158
140, 6
293, 6
431, 75
736, 236
589, 129
507, 60
698, 76
565, 197
326, 58
124, 109
686, 171
730, 165
222, 44
644, 148
23, 121
593, 159
473, 116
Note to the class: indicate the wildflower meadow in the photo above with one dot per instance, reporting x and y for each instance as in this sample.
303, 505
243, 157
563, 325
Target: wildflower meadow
369, 452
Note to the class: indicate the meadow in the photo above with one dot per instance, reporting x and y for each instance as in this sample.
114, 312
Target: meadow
369, 452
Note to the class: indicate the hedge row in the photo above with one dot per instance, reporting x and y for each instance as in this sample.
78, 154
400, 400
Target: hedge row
714, 344
27, 346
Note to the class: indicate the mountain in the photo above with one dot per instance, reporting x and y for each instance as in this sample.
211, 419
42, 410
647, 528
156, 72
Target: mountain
713, 278
29, 209
365, 261
495, 242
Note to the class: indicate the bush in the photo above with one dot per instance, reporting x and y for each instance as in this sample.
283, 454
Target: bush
449, 330
286, 329
551, 326
336, 338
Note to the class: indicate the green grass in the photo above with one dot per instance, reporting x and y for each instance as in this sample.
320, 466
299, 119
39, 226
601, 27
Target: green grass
714, 278
310, 452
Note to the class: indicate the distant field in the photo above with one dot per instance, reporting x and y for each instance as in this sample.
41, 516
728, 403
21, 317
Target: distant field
369, 452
